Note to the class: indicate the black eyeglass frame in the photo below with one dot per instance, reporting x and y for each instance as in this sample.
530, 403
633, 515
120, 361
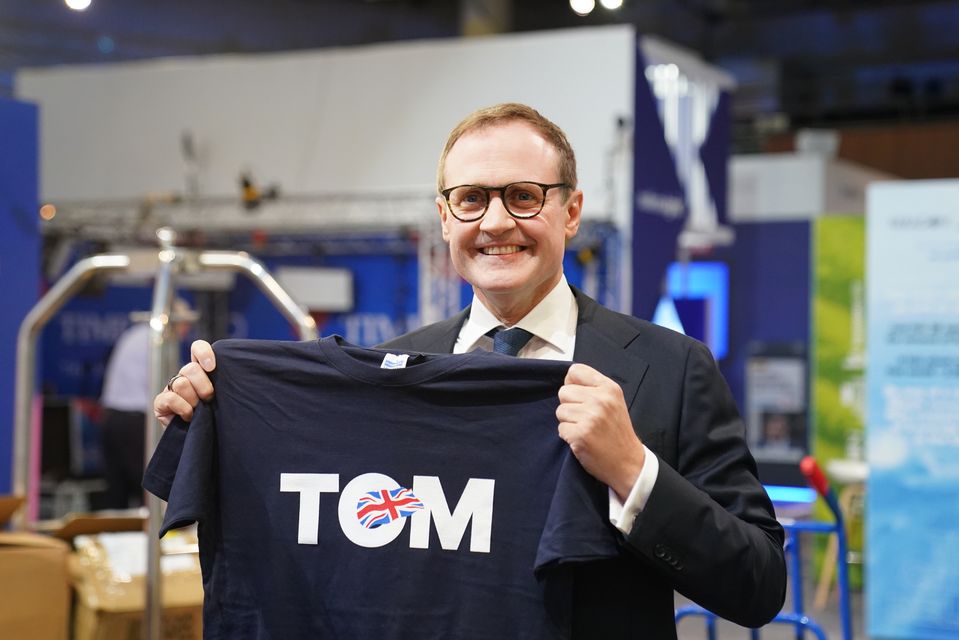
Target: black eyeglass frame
502, 193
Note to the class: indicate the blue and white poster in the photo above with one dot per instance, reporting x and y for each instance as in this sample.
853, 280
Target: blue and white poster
912, 508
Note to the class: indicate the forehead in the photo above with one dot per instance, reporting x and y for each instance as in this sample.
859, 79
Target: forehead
501, 153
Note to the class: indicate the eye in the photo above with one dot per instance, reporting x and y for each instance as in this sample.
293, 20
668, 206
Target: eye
525, 196
468, 197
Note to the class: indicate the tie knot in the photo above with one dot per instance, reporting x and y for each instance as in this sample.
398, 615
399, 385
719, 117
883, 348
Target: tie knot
509, 341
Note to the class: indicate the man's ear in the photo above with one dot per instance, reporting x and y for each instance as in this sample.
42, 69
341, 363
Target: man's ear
574, 210
444, 217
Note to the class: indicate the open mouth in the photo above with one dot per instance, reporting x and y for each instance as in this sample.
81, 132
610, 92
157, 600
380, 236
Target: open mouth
501, 251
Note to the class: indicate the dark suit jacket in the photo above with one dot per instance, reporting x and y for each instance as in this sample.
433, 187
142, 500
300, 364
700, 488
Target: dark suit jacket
708, 529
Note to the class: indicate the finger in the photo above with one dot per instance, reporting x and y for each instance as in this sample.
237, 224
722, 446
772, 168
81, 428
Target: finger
184, 388
577, 414
168, 404
194, 374
564, 413
570, 434
595, 389
574, 393
584, 375
201, 352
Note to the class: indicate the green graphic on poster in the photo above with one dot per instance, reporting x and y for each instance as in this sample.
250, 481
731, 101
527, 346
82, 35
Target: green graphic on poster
838, 361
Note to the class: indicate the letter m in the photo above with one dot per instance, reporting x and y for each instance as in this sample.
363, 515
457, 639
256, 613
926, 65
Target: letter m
475, 504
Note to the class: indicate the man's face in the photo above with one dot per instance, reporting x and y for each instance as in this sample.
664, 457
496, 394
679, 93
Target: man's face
512, 264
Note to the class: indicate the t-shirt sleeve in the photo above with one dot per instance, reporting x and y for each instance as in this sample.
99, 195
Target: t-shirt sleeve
577, 528
159, 474
191, 493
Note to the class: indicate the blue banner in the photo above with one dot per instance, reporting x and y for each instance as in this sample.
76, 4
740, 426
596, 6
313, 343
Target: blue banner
79, 338
385, 290
680, 166
19, 252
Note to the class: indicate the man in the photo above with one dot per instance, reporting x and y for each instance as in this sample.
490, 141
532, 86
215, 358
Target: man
125, 398
643, 409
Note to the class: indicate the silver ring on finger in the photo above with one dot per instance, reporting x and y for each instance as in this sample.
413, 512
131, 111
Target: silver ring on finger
169, 385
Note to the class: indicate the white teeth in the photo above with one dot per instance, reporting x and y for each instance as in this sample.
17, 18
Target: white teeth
498, 251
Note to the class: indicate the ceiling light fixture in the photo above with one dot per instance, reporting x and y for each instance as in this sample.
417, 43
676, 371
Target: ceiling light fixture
612, 5
78, 5
582, 7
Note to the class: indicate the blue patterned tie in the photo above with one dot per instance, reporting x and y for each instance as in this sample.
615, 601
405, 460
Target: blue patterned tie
509, 341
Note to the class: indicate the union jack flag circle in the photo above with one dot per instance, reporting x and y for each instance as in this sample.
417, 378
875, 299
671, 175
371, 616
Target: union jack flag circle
381, 507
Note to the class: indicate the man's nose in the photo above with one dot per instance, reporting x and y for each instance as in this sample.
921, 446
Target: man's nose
497, 219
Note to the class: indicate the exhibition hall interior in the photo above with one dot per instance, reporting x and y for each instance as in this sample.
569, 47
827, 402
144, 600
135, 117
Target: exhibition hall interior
776, 180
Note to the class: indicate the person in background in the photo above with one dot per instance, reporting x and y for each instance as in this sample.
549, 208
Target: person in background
125, 400
644, 409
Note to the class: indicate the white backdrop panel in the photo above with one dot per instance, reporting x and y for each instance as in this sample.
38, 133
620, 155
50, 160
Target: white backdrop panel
358, 120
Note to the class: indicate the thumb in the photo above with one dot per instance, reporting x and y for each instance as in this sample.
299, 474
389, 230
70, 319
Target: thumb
201, 352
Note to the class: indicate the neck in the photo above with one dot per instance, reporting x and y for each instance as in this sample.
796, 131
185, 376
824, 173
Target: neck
511, 308
507, 314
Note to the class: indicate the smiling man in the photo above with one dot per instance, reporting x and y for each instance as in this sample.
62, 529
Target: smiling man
643, 409
498, 240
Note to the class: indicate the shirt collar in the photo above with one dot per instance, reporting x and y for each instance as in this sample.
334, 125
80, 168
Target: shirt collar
553, 320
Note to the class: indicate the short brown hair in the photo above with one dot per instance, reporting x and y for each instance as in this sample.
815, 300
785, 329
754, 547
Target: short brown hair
512, 112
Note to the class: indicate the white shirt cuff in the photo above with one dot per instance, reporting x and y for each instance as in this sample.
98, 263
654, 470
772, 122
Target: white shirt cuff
622, 514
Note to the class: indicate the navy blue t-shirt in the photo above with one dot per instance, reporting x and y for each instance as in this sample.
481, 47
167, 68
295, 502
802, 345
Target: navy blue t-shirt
340, 499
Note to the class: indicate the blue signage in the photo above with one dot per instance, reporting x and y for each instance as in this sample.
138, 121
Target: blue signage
19, 252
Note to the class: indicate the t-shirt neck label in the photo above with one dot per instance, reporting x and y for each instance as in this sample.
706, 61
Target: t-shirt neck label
394, 361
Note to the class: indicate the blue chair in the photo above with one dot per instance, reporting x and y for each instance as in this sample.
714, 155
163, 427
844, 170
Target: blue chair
797, 617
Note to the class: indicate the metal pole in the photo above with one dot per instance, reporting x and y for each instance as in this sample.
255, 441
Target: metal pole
171, 261
26, 372
424, 264
845, 617
254, 269
159, 330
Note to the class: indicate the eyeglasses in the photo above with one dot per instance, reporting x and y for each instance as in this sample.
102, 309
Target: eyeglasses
523, 200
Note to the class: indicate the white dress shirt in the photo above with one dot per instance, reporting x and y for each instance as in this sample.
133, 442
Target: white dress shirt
126, 382
553, 325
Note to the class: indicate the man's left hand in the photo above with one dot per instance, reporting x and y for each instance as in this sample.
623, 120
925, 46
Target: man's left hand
594, 421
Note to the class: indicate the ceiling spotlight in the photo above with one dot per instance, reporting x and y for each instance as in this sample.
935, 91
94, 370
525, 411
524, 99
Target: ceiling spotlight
582, 7
78, 5
612, 5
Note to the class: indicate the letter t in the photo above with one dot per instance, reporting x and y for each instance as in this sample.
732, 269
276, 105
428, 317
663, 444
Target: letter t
309, 486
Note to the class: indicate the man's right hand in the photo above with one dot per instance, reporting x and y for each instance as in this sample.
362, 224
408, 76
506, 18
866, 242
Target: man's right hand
191, 386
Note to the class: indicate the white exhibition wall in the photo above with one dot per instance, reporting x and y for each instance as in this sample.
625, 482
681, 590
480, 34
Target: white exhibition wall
363, 120
778, 187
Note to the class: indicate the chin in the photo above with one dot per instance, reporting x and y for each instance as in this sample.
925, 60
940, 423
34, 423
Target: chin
497, 288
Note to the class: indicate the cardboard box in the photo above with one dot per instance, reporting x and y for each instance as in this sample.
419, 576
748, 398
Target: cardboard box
34, 585
107, 573
176, 624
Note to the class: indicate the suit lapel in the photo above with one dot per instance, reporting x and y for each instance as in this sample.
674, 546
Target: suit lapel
601, 341
439, 337
602, 338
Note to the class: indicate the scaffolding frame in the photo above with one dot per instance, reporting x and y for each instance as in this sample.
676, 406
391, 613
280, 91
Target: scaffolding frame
166, 264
